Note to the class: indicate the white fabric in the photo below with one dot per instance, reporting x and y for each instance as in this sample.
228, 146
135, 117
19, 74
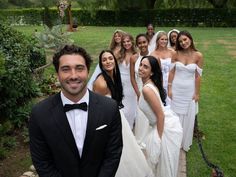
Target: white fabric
133, 162
165, 68
162, 154
130, 98
187, 122
96, 72
78, 120
141, 122
183, 89
136, 68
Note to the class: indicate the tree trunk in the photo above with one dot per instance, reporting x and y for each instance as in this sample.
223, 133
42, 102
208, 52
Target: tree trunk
150, 4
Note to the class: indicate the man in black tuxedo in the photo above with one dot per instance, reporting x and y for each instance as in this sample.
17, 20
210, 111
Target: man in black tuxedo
75, 133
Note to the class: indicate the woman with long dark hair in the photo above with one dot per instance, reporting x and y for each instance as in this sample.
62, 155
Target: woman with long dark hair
108, 83
163, 139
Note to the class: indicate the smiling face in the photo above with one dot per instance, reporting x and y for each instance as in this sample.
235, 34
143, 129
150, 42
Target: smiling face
108, 62
162, 41
117, 38
142, 43
145, 70
184, 41
72, 75
127, 43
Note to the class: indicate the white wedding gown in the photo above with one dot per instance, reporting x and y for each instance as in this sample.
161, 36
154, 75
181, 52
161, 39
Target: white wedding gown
162, 154
141, 122
183, 88
133, 162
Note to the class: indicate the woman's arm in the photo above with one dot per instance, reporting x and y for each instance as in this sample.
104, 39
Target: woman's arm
100, 86
171, 75
132, 74
155, 104
198, 77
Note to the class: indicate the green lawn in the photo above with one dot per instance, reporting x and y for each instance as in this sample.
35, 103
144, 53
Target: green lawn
218, 90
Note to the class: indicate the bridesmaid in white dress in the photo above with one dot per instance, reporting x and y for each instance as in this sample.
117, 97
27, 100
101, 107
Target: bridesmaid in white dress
141, 123
164, 55
130, 98
163, 140
108, 83
142, 42
115, 47
184, 84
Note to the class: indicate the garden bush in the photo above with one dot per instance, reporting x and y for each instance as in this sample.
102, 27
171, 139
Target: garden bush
160, 17
17, 87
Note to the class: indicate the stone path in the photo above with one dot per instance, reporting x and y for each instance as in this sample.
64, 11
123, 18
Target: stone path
182, 164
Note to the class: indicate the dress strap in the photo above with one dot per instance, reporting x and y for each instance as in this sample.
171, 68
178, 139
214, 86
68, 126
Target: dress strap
156, 92
199, 70
172, 65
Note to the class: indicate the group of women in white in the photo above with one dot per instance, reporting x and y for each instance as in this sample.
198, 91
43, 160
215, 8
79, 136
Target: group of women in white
156, 81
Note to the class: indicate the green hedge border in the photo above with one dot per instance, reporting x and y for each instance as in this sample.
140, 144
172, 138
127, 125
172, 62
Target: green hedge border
160, 17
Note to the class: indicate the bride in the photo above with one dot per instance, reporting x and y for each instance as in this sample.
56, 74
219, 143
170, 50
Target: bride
108, 83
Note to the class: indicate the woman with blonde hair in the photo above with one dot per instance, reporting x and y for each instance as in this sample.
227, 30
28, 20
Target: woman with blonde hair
164, 55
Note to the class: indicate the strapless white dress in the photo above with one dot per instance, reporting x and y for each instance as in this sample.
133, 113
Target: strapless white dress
182, 103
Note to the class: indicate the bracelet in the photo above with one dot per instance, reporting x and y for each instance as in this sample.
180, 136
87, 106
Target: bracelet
169, 84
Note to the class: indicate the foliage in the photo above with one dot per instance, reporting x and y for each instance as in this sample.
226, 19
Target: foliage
53, 38
16, 82
37, 55
162, 17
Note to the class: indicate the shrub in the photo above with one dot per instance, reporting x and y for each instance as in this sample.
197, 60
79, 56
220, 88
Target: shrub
16, 82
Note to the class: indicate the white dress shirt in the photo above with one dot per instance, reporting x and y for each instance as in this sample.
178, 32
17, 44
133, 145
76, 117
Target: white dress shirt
77, 119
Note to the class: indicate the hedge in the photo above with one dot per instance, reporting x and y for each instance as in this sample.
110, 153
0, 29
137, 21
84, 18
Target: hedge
160, 17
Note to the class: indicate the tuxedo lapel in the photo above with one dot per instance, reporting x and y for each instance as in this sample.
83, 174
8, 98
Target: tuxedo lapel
93, 115
61, 121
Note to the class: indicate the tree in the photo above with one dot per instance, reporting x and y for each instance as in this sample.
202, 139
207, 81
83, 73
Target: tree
218, 3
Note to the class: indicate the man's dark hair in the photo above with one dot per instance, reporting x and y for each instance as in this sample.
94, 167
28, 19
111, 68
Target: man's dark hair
70, 50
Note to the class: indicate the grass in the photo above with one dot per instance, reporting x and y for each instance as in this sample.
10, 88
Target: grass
218, 90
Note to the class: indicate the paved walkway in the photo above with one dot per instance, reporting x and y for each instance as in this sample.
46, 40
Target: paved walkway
182, 164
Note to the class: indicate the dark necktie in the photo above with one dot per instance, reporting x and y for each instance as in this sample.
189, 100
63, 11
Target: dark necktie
83, 106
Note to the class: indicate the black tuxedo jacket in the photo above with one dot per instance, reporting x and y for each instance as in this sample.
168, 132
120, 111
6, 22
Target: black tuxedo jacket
53, 149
